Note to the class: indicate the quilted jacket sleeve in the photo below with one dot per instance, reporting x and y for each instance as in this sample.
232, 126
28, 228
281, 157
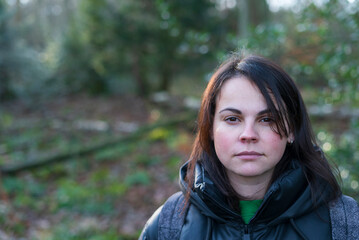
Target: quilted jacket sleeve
344, 215
150, 231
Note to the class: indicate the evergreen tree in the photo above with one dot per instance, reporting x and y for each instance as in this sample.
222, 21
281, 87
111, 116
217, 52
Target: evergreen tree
6, 49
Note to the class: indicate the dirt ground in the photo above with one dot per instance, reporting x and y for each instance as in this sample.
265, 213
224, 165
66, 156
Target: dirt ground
93, 118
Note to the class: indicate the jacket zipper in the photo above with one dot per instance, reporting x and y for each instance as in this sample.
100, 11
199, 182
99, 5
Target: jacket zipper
246, 235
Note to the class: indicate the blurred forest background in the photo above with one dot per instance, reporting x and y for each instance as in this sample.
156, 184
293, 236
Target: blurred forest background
98, 100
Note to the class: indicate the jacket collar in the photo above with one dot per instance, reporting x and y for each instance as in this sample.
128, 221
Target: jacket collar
288, 197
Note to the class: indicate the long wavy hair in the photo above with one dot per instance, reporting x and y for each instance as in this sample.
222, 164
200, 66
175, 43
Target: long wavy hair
286, 106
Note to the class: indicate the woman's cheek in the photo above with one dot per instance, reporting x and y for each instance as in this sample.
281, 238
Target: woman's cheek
275, 141
222, 140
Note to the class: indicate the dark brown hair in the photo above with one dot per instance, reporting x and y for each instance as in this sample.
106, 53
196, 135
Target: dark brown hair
286, 105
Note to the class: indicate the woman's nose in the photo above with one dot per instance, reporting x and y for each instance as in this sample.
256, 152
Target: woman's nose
248, 133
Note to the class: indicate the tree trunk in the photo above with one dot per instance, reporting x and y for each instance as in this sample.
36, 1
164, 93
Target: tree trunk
18, 16
243, 18
258, 12
139, 74
5, 48
165, 78
251, 13
5, 92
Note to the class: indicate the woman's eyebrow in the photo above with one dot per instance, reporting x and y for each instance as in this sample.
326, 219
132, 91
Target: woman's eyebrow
265, 111
234, 110
237, 111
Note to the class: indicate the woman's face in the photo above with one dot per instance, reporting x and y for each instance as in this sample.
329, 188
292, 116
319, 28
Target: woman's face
243, 138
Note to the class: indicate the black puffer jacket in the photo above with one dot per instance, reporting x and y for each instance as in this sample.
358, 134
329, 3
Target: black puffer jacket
287, 211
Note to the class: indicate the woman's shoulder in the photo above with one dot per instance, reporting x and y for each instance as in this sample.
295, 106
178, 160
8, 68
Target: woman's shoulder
344, 205
344, 215
150, 231
167, 220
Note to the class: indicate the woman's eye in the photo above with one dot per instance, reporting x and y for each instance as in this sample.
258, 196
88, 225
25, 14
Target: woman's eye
267, 119
231, 119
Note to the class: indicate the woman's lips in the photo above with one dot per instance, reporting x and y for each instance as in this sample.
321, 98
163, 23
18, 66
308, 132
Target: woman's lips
246, 155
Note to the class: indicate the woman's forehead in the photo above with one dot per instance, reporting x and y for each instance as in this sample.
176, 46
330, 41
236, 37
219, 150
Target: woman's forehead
240, 87
240, 91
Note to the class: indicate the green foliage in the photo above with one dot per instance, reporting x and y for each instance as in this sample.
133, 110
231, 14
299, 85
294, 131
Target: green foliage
159, 134
83, 198
6, 120
109, 48
343, 151
12, 185
346, 154
120, 47
271, 35
30, 189
335, 24
75, 67
138, 178
19, 63
90, 231
173, 164
146, 160
111, 153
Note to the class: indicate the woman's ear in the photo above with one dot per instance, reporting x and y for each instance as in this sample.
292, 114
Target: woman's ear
290, 138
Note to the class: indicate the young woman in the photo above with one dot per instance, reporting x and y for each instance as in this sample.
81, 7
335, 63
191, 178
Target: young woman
255, 171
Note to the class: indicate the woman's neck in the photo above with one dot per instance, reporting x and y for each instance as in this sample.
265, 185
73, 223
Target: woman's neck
249, 188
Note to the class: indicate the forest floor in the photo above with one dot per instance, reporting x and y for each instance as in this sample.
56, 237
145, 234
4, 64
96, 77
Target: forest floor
107, 194
110, 192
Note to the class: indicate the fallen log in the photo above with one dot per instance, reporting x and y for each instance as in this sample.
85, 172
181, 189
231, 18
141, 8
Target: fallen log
28, 165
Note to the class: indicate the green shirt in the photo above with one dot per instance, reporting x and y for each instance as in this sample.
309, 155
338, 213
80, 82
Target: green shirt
249, 208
